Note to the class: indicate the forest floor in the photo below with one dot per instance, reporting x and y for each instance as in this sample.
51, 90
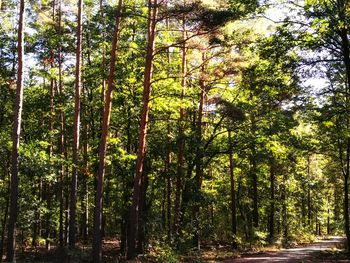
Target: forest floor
327, 250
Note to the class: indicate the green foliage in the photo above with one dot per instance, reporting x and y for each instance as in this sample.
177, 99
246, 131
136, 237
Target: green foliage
161, 252
256, 108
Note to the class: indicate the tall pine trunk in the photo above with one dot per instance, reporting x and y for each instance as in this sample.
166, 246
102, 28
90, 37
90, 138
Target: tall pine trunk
254, 176
284, 210
53, 84
76, 138
103, 65
48, 184
16, 133
309, 206
168, 186
135, 223
346, 60
233, 193
61, 145
199, 152
97, 238
85, 188
181, 139
272, 202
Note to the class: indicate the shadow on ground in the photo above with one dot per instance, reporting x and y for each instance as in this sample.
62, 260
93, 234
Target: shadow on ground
323, 251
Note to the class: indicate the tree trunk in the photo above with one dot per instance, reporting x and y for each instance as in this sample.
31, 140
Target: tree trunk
168, 187
303, 210
66, 223
163, 209
53, 84
126, 191
62, 128
11, 236
61, 180
272, 202
346, 209
254, 176
284, 210
85, 192
76, 138
346, 196
346, 59
48, 185
199, 152
134, 224
48, 216
309, 209
181, 139
36, 224
97, 237
143, 209
233, 193
124, 217
336, 201
103, 65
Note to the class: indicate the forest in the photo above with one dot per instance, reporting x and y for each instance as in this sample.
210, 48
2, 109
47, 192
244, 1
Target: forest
156, 129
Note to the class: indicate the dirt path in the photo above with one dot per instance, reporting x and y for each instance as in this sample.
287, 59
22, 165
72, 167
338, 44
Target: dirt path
312, 253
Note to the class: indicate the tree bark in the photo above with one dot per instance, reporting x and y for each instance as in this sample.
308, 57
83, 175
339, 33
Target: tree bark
303, 210
181, 139
85, 190
199, 152
346, 196
134, 224
103, 65
143, 210
337, 209
272, 202
62, 128
48, 185
76, 138
346, 60
97, 237
328, 222
254, 176
284, 210
16, 133
53, 84
309, 205
168, 187
233, 193
48, 216
126, 192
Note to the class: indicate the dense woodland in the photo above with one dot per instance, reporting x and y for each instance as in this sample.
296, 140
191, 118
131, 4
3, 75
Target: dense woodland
165, 126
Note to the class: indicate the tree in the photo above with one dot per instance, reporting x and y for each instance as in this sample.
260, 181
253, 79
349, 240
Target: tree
97, 242
16, 133
139, 184
326, 35
76, 138
213, 136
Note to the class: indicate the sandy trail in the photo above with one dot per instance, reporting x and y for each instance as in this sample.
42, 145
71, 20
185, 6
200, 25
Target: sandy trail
300, 254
